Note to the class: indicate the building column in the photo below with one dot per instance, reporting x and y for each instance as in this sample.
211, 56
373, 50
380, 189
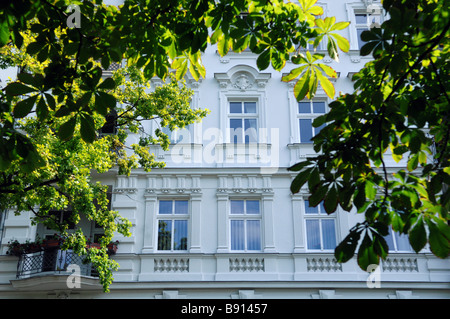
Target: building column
196, 227
222, 223
298, 217
267, 206
149, 222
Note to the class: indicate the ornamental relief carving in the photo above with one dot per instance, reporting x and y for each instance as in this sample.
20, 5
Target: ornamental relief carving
242, 82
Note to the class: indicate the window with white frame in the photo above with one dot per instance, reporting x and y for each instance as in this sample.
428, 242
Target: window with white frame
398, 242
363, 22
362, 19
243, 121
173, 218
245, 225
307, 111
320, 228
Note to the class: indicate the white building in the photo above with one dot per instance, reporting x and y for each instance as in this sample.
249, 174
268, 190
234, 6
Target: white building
232, 227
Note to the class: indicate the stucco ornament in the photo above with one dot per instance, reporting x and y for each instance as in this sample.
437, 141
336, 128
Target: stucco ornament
243, 82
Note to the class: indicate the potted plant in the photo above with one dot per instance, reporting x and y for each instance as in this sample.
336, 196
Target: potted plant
90, 244
34, 247
112, 247
15, 248
52, 242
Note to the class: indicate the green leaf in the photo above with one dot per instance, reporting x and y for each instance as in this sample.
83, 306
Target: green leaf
42, 109
104, 102
317, 195
298, 166
366, 254
326, 84
380, 246
370, 190
224, 44
293, 74
346, 249
23, 108
299, 181
302, 86
342, 42
66, 130
418, 235
87, 128
331, 200
263, 60
439, 243
413, 162
17, 88
4, 33
107, 84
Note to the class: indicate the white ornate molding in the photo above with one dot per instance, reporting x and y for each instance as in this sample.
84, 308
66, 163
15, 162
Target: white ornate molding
242, 78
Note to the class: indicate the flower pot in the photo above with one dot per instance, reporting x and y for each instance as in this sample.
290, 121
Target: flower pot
50, 243
93, 245
112, 249
34, 248
16, 251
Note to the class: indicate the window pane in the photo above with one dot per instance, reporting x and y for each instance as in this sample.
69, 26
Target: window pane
180, 235
390, 241
318, 129
237, 207
305, 131
249, 107
304, 107
237, 235
235, 130
310, 210
164, 234
165, 207
402, 242
358, 34
253, 235
250, 130
313, 234
235, 107
181, 207
328, 234
182, 136
361, 18
253, 207
318, 107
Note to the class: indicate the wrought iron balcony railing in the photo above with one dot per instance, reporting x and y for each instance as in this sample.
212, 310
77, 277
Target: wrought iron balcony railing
52, 261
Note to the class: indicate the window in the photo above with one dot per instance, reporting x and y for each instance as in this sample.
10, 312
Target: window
307, 112
243, 122
110, 126
320, 228
398, 242
178, 136
61, 218
245, 225
365, 20
173, 216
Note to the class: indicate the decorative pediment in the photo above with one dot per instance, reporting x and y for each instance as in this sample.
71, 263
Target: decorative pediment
242, 78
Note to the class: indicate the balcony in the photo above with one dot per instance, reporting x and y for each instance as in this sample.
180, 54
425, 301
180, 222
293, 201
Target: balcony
53, 261
54, 269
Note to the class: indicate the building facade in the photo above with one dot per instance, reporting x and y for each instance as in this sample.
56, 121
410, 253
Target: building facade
220, 221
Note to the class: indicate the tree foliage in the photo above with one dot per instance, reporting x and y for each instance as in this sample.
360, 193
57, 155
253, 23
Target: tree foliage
51, 114
399, 110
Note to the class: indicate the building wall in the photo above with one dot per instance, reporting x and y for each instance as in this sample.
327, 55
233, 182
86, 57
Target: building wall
209, 172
